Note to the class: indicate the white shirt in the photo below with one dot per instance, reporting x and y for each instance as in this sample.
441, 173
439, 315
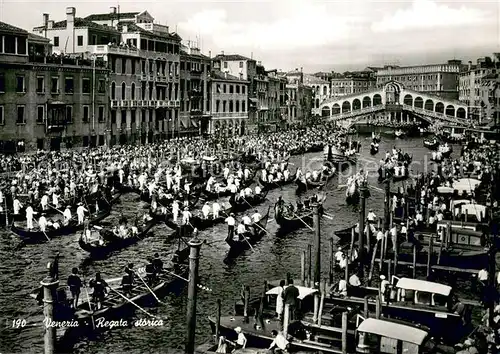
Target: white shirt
371, 216
216, 207
29, 212
257, 190
256, 217
241, 339
232, 188
186, 215
279, 341
246, 220
80, 210
380, 235
67, 214
42, 222
230, 221
482, 275
206, 209
241, 229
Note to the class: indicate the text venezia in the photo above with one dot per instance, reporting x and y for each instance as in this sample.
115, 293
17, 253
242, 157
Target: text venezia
103, 323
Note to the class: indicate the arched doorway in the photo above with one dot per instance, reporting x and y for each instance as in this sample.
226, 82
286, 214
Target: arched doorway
356, 104
439, 107
367, 102
419, 102
325, 112
408, 100
461, 113
429, 105
346, 107
377, 100
450, 110
335, 109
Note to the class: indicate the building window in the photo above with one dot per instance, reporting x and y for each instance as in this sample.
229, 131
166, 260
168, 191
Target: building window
133, 66
40, 84
124, 88
231, 107
2, 116
100, 114
243, 106
243, 89
20, 84
69, 85
40, 117
132, 116
2, 83
132, 91
225, 65
237, 105
241, 65
218, 88
124, 117
223, 106
85, 118
20, 115
94, 39
113, 117
217, 106
69, 114
237, 88
86, 85
113, 91
80, 41
224, 88
56, 41
124, 65
54, 85
231, 89
101, 88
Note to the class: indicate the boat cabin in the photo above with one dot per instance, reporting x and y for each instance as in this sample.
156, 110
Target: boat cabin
422, 293
379, 336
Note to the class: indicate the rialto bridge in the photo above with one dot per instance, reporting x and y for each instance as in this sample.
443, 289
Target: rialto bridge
396, 103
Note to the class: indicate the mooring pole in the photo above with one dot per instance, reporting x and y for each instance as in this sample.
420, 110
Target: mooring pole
361, 239
387, 200
50, 284
194, 262
317, 246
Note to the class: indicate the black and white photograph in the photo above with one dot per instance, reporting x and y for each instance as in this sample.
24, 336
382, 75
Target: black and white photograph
250, 177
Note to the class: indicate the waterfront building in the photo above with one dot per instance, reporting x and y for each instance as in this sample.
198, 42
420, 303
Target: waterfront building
277, 98
229, 104
48, 100
194, 85
350, 83
320, 90
434, 79
144, 62
298, 98
475, 86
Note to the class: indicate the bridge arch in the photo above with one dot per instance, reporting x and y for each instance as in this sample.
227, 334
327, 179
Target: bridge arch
335, 109
419, 102
461, 113
377, 99
367, 101
450, 110
408, 100
439, 107
356, 104
346, 106
429, 105
325, 112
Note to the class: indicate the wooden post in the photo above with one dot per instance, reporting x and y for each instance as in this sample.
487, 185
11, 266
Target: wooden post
49, 284
362, 216
303, 268
194, 261
382, 250
379, 222
365, 307
260, 314
353, 238
323, 289
317, 245
407, 229
429, 256
344, 332
448, 234
378, 307
466, 214
246, 299
309, 261
348, 261
316, 307
392, 219
441, 244
372, 263
217, 321
387, 203
396, 258
389, 269
286, 319
332, 262
414, 261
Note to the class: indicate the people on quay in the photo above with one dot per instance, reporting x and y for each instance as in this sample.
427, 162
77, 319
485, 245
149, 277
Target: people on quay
99, 287
75, 284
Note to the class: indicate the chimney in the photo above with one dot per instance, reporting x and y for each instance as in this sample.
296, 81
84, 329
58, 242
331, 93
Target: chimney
301, 69
225, 74
70, 15
210, 54
124, 28
113, 10
50, 24
470, 65
45, 20
222, 52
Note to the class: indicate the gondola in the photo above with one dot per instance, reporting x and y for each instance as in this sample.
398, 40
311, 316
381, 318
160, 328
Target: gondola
39, 236
376, 138
255, 233
277, 184
399, 133
431, 144
202, 224
111, 241
289, 220
114, 305
374, 148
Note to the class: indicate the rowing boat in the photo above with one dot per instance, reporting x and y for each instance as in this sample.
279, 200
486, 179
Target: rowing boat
254, 234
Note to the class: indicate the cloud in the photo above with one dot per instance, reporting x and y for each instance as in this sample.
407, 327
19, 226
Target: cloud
304, 25
429, 14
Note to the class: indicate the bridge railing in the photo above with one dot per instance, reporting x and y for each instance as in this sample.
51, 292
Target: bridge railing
356, 112
438, 115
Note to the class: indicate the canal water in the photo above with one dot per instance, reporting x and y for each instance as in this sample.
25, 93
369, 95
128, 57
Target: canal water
22, 268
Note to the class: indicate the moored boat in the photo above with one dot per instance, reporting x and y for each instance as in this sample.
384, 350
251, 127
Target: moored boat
431, 144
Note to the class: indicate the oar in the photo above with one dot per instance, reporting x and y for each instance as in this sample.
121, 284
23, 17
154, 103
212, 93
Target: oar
133, 303
186, 280
260, 227
48, 239
55, 208
250, 205
310, 228
90, 306
147, 286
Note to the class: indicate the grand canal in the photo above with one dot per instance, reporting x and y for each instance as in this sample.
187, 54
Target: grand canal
22, 268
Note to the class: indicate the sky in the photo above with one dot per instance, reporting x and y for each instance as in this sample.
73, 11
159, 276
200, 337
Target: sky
316, 35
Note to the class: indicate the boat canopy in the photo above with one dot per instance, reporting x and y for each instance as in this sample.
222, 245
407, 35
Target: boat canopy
393, 330
189, 160
303, 291
459, 202
423, 285
209, 158
445, 190
466, 184
474, 209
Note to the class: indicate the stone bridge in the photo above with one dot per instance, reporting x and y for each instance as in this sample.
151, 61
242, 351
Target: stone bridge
394, 100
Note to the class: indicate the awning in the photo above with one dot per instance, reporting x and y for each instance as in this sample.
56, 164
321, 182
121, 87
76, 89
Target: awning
253, 100
194, 123
184, 124
303, 291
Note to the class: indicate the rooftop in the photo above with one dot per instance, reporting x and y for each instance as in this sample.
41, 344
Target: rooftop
36, 38
6, 28
314, 80
111, 16
231, 57
132, 27
81, 23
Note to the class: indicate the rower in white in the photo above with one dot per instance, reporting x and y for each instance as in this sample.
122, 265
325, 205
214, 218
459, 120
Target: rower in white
80, 212
16, 205
206, 210
256, 216
29, 217
42, 223
67, 215
45, 202
175, 210
186, 215
216, 210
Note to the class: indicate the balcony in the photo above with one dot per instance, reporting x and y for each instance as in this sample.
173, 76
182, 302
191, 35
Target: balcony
114, 103
196, 112
124, 103
144, 77
133, 103
225, 115
113, 49
161, 104
152, 104
195, 93
177, 103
